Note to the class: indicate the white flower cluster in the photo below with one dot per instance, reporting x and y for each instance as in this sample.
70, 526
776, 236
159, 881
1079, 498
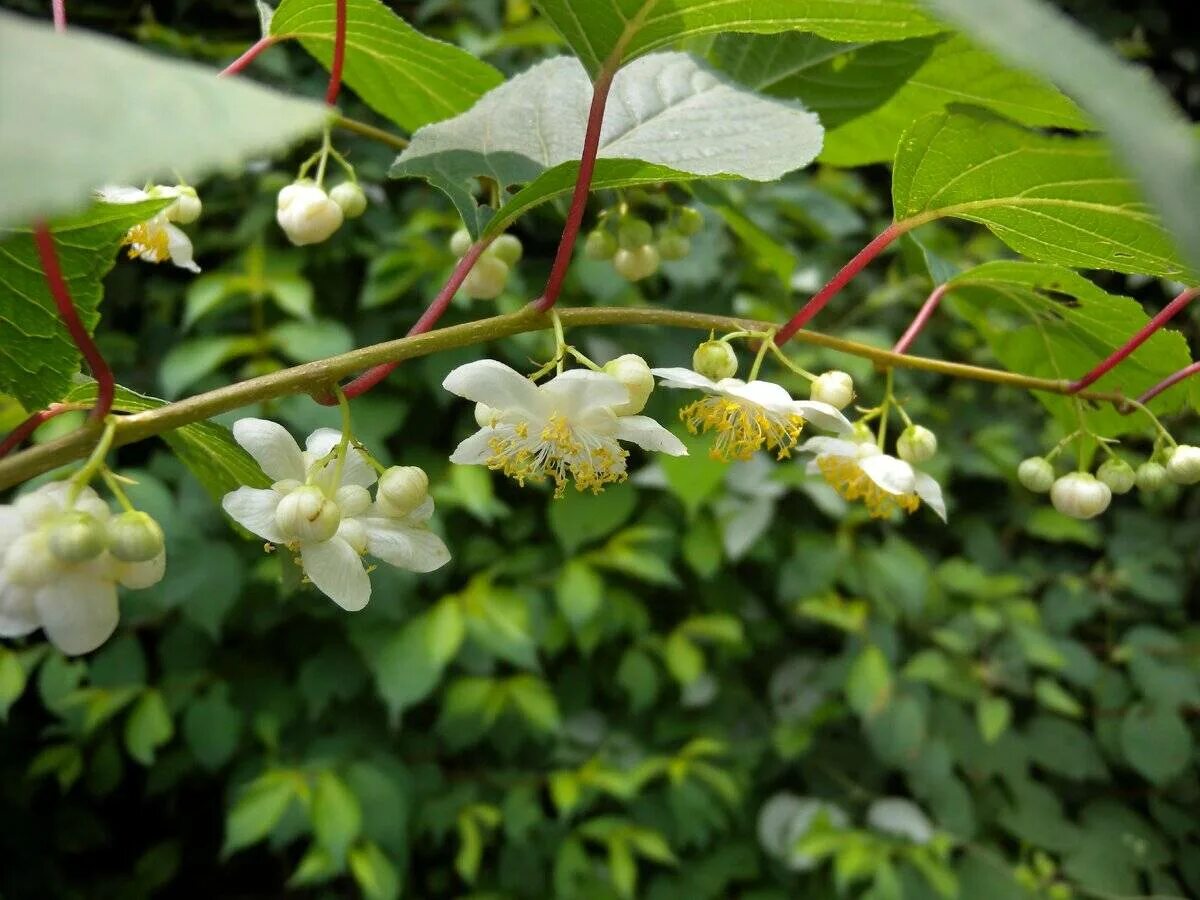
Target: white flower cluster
320, 508
159, 238
62, 555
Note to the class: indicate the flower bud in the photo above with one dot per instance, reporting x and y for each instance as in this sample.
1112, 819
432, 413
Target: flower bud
1118, 475
1183, 465
631, 370
1080, 495
861, 433
486, 416
507, 247
715, 360
350, 197
460, 242
690, 222
307, 515
134, 537
486, 279
402, 489
672, 245
352, 500
916, 444
833, 387
1036, 474
29, 562
633, 233
306, 214
354, 533
637, 263
1151, 476
600, 245
75, 536
187, 206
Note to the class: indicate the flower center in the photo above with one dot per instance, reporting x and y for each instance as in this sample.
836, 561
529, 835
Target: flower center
852, 483
147, 242
559, 452
742, 428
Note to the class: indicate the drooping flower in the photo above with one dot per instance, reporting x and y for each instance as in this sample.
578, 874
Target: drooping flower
56, 571
1080, 495
859, 470
322, 511
749, 416
306, 213
157, 239
566, 429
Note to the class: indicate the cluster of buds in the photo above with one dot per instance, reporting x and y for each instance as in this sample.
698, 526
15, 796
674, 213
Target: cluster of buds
309, 215
638, 248
489, 275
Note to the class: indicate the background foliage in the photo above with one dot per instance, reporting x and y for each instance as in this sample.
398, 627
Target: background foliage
644, 693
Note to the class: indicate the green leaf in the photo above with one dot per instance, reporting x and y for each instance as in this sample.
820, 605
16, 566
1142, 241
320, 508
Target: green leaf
336, 815
659, 113
148, 727
535, 701
1156, 742
684, 659
308, 341
579, 592
184, 119
400, 73
1048, 321
638, 677
1056, 698
766, 250
869, 682
578, 519
498, 620
1153, 138
867, 95
191, 360
411, 662
628, 28
37, 356
12, 681
258, 809
212, 727
993, 715
1054, 198
374, 873
206, 448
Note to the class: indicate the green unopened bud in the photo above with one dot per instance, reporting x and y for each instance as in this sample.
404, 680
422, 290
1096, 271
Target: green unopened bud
690, 221
1118, 475
1036, 474
916, 444
350, 197
307, 515
402, 489
1183, 465
672, 245
1151, 476
634, 232
631, 370
487, 278
460, 242
134, 537
834, 387
636, 264
508, 248
75, 537
861, 433
715, 360
600, 245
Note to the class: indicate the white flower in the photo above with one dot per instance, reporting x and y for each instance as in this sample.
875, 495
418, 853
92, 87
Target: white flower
306, 214
155, 240
1080, 495
749, 416
858, 470
329, 521
1183, 465
833, 387
565, 429
74, 602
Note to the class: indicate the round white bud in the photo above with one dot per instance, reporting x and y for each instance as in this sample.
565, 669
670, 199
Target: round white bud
354, 533
75, 536
402, 489
1183, 465
134, 537
307, 515
715, 360
508, 248
834, 387
306, 214
486, 416
352, 500
1080, 495
460, 242
486, 279
916, 444
1036, 474
350, 197
1118, 475
29, 562
631, 370
636, 263
1151, 476
187, 206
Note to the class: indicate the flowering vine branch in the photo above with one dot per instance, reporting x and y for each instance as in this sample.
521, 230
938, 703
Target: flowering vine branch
1169, 382
105, 383
251, 54
31, 424
928, 308
339, 53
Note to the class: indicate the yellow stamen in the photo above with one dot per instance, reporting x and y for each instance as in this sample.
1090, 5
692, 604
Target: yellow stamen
146, 242
742, 428
848, 479
558, 453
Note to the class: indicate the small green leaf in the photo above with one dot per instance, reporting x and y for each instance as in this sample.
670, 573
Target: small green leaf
684, 660
212, 728
308, 341
993, 715
637, 675
1056, 698
258, 809
535, 701
579, 592
12, 681
191, 360
374, 873
578, 519
336, 815
869, 682
1156, 742
411, 662
148, 727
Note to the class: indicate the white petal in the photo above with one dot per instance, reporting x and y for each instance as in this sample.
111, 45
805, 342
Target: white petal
418, 516
338, 573
931, 492
649, 435
677, 377
494, 384
119, 193
141, 574
254, 509
356, 470
893, 475
12, 526
824, 415
179, 248
766, 394
18, 617
271, 446
827, 446
78, 611
580, 391
474, 450
406, 547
